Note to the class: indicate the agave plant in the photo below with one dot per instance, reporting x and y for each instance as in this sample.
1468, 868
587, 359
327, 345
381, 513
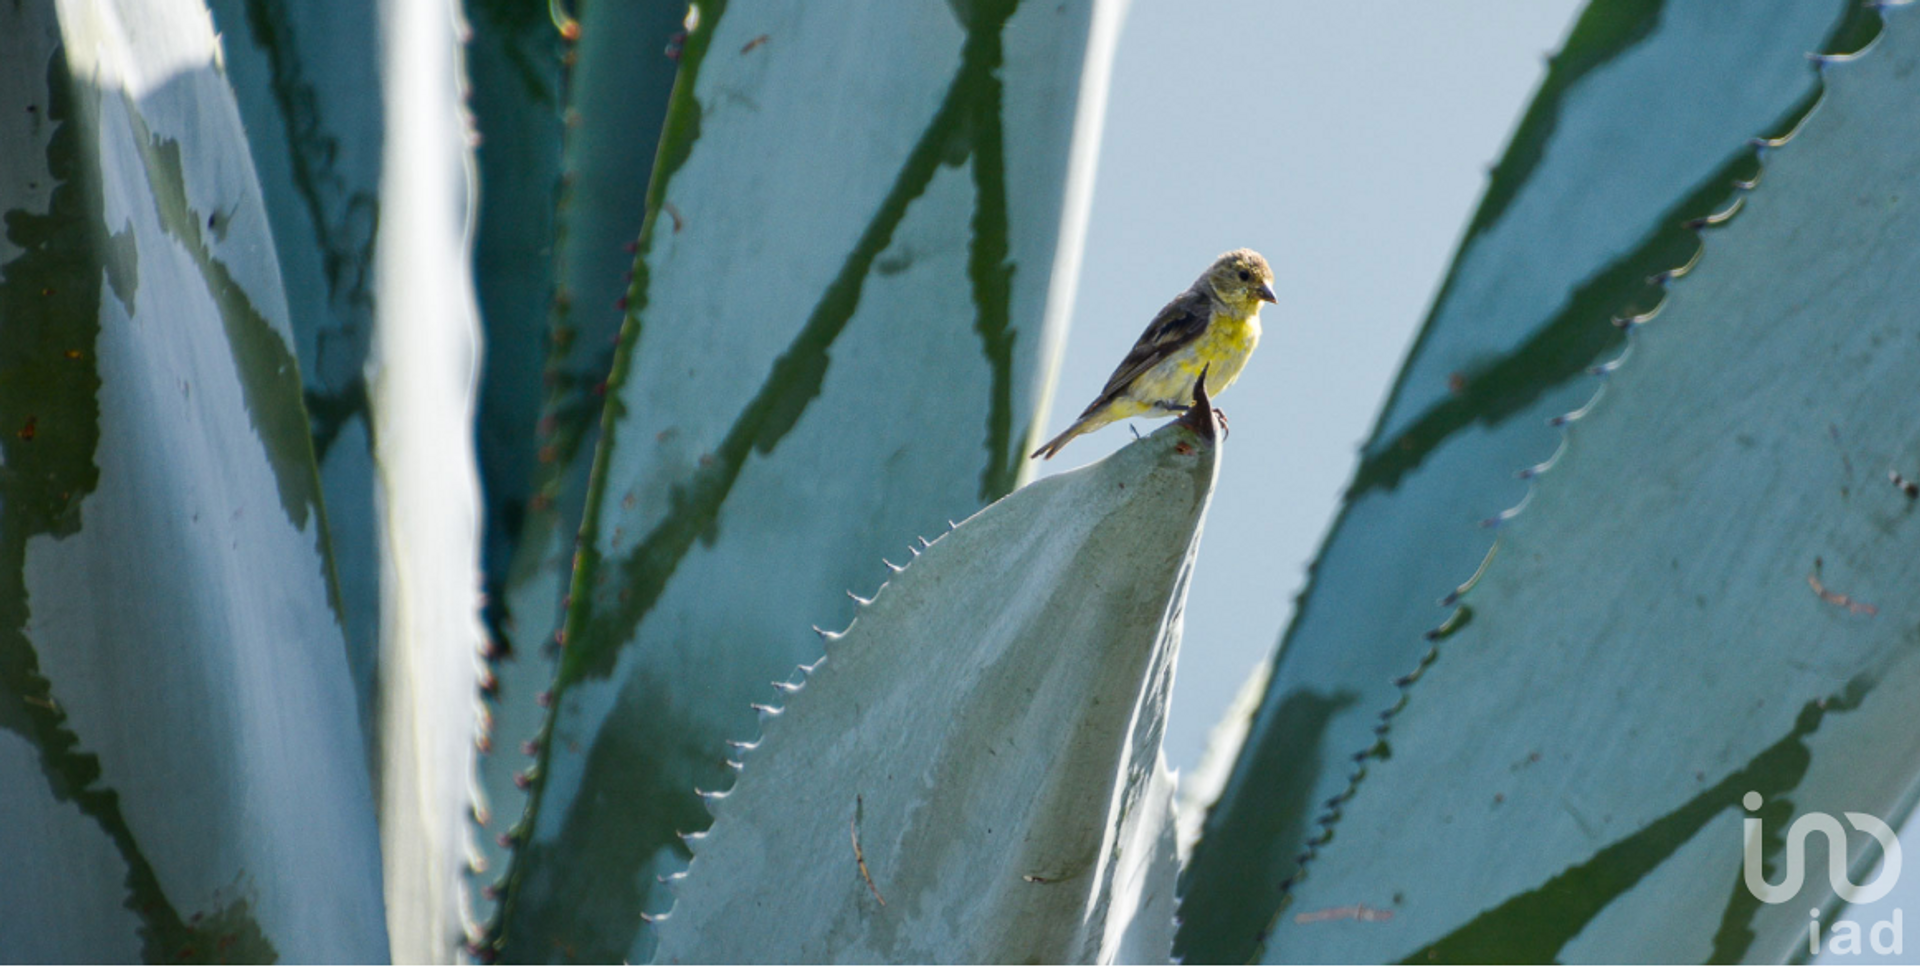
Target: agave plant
324, 637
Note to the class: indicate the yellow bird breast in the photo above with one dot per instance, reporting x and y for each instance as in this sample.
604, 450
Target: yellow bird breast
1222, 351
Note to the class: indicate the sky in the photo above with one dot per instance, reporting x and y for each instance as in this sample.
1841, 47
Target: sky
1348, 143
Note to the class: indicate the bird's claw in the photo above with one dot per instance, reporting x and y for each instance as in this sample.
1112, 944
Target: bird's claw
1221, 415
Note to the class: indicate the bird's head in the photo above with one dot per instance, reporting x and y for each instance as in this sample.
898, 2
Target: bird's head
1241, 279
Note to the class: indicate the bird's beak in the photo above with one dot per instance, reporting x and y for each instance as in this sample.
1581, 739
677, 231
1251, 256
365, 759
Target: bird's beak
1265, 292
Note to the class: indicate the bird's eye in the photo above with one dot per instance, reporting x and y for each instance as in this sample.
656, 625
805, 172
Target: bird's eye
1245, 276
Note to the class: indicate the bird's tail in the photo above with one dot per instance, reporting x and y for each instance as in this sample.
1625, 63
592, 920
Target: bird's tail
1097, 416
1052, 447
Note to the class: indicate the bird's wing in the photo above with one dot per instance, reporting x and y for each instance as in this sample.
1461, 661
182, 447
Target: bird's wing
1179, 323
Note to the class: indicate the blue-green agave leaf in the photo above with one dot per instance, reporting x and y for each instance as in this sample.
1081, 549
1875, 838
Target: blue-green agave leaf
306, 77
180, 744
861, 232
972, 773
1696, 623
1591, 204
421, 379
558, 223
513, 61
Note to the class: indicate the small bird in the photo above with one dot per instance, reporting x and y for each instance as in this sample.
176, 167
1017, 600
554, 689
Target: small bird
1213, 326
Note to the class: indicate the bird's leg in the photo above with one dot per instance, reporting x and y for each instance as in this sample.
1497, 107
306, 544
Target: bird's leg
1221, 415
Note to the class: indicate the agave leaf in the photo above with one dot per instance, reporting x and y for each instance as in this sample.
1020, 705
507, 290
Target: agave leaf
421, 379
1591, 200
821, 356
513, 61
307, 80
1143, 894
987, 733
1868, 915
1697, 620
184, 767
552, 281
1201, 786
